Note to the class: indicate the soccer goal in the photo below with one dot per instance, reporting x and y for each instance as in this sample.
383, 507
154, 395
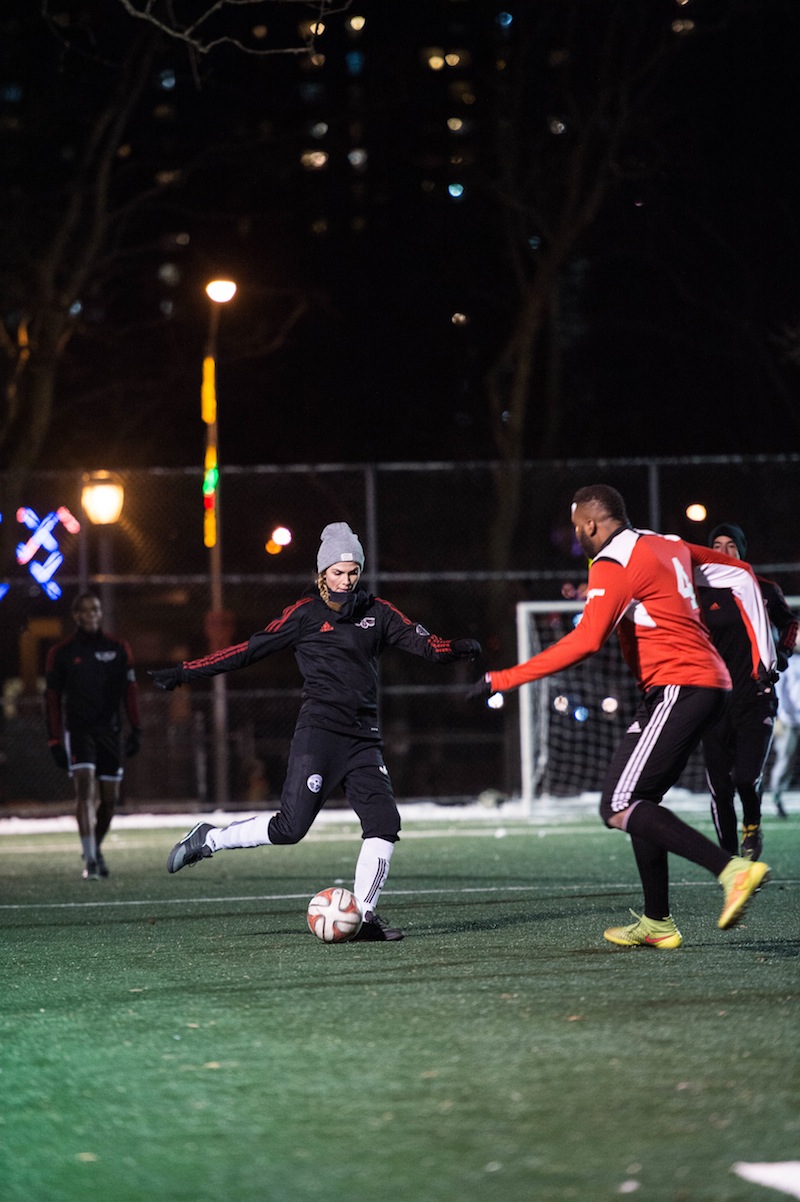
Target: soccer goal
570, 723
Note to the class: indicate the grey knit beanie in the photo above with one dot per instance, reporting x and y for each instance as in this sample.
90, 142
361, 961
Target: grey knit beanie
339, 545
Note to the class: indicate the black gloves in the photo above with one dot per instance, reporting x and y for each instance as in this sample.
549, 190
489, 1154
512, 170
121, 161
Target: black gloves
59, 754
466, 648
133, 741
167, 678
481, 690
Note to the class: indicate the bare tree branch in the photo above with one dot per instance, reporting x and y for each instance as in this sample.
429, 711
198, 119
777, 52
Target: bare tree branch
195, 33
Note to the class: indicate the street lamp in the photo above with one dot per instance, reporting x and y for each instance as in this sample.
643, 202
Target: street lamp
102, 497
219, 622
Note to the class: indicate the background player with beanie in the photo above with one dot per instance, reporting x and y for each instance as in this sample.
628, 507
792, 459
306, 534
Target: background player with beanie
641, 584
736, 748
337, 632
90, 678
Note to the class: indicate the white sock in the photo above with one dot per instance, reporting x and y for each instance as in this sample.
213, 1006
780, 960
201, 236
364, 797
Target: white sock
250, 832
89, 845
372, 870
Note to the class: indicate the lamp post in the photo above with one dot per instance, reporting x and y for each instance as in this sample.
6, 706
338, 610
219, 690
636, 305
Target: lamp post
219, 622
102, 497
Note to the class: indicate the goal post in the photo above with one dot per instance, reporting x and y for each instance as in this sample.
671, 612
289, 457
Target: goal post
570, 722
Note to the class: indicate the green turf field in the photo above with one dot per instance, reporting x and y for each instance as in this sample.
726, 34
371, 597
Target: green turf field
185, 1038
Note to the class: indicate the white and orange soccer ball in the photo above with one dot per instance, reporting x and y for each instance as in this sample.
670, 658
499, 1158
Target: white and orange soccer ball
334, 915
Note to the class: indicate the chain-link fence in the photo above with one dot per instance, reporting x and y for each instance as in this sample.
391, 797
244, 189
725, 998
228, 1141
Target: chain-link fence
426, 529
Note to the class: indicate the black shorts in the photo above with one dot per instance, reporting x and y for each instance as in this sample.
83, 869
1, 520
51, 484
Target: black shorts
319, 762
668, 725
97, 747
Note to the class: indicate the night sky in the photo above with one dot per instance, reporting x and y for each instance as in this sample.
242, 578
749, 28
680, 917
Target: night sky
674, 322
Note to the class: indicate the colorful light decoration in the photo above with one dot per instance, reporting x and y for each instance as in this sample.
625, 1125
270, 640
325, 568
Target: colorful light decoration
43, 539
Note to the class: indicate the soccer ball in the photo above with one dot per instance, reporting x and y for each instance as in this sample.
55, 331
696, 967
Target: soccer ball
334, 915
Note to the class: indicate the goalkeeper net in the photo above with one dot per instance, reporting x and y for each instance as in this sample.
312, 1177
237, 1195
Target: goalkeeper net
571, 723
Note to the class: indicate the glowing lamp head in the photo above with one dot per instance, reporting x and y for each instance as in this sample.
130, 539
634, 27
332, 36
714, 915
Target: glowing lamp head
102, 496
221, 291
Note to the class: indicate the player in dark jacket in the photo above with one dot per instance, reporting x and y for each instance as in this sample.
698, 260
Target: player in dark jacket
737, 747
90, 679
337, 632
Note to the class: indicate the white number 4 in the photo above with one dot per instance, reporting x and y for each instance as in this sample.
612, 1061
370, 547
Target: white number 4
685, 586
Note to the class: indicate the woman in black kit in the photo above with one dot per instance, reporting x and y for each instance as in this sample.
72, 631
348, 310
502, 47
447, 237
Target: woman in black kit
337, 632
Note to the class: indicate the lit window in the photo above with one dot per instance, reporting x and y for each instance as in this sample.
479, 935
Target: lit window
357, 23
682, 26
317, 28
169, 273
452, 60
434, 57
357, 158
460, 319
455, 125
75, 309
314, 160
316, 60
318, 129
556, 125
167, 80
504, 20
456, 191
461, 92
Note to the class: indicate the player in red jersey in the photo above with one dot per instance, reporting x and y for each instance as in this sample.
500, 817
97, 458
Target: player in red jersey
642, 584
337, 631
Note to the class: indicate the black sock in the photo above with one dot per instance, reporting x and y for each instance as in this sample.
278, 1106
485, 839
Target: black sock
651, 860
652, 822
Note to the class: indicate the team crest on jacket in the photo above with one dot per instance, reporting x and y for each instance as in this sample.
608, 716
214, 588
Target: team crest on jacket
365, 623
422, 632
314, 782
105, 657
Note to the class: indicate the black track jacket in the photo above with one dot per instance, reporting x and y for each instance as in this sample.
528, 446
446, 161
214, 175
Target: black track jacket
337, 654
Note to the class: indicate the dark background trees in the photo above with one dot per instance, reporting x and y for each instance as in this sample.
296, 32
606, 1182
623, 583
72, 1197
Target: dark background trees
617, 275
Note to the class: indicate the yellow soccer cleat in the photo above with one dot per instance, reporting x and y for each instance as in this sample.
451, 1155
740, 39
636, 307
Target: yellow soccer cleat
740, 880
646, 932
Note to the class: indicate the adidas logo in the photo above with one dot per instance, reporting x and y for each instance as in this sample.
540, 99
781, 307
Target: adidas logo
713, 605
325, 627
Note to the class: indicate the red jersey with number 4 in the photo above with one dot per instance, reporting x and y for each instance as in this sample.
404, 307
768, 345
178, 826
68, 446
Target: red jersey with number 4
642, 584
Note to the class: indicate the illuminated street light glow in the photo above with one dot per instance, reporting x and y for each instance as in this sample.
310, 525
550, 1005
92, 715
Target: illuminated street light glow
696, 512
102, 497
221, 291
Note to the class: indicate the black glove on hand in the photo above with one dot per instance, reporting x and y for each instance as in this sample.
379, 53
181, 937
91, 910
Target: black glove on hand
167, 678
59, 754
133, 741
481, 690
466, 648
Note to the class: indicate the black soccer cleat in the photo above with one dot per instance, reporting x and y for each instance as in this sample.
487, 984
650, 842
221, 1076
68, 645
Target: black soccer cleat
91, 871
102, 867
375, 929
191, 848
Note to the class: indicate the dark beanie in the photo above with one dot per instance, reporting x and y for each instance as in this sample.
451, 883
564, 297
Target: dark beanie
728, 530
